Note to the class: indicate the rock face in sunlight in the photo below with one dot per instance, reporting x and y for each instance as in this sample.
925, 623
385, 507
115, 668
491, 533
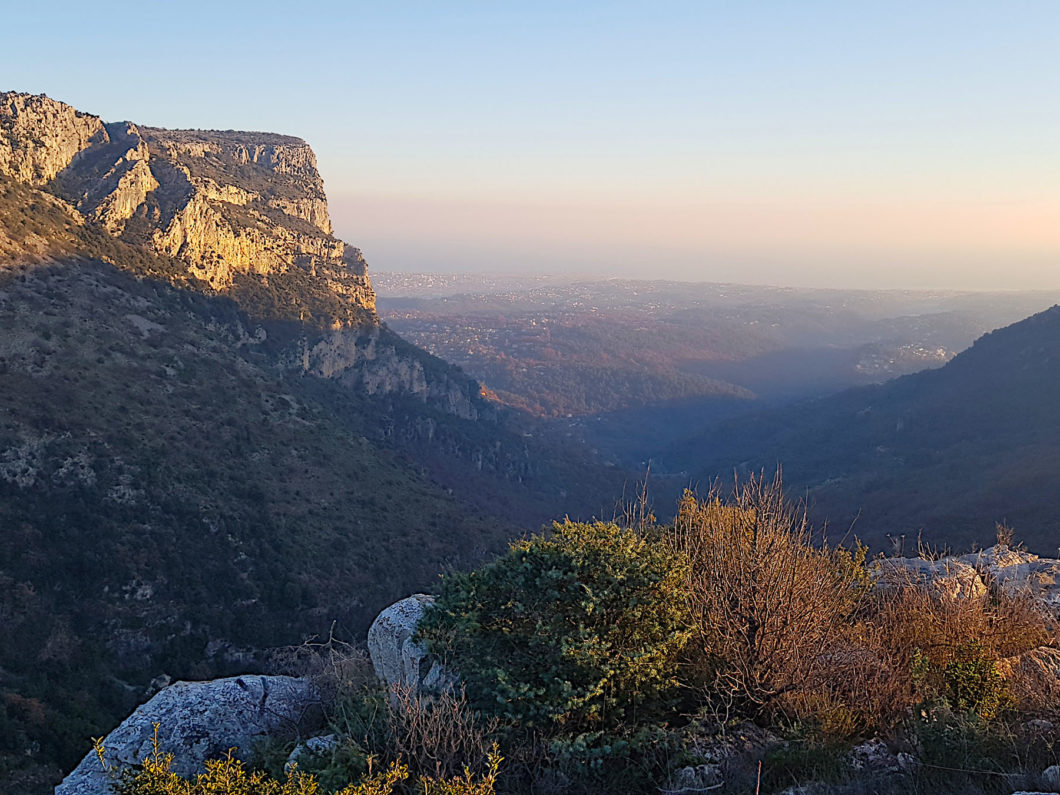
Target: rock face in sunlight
245, 212
240, 214
39, 137
999, 569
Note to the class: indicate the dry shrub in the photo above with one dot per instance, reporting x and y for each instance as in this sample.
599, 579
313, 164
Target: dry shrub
784, 627
1034, 680
339, 669
438, 736
927, 645
771, 612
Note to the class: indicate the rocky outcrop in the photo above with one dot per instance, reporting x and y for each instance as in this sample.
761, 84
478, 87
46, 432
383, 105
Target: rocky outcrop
999, 569
199, 721
369, 359
948, 577
238, 213
228, 204
39, 137
396, 656
111, 179
1016, 572
250, 203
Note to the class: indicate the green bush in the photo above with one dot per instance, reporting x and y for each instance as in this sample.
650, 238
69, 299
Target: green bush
968, 682
573, 631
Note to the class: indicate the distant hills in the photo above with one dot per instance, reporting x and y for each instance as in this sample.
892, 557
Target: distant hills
945, 453
638, 367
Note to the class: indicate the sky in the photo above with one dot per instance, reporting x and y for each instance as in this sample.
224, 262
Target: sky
854, 144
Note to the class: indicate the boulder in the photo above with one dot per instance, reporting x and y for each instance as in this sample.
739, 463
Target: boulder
875, 757
314, 746
948, 577
1016, 572
397, 658
695, 779
199, 721
1051, 776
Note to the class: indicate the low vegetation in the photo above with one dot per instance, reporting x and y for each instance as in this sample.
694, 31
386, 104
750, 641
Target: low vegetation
601, 658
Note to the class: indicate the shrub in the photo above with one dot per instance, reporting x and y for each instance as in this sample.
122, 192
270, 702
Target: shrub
770, 611
573, 631
154, 777
437, 737
228, 776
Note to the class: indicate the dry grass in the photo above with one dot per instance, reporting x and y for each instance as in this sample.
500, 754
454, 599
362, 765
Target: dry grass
439, 737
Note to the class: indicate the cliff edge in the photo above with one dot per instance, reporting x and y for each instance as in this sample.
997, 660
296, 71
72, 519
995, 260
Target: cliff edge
244, 212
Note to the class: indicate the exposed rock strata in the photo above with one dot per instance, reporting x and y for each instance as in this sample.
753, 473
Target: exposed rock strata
245, 213
39, 137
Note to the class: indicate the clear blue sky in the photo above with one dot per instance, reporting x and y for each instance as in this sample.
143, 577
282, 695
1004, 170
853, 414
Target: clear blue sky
860, 143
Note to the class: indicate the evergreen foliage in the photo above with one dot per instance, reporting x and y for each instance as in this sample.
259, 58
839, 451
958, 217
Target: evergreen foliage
576, 630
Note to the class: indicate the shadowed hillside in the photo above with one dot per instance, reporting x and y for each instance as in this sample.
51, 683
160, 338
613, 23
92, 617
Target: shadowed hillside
948, 452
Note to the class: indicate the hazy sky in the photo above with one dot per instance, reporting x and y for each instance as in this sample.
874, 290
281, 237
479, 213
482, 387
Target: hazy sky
804, 143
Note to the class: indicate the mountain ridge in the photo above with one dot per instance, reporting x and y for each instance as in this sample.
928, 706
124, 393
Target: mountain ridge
946, 452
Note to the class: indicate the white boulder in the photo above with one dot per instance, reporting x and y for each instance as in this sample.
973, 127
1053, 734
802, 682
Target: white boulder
199, 721
948, 577
397, 658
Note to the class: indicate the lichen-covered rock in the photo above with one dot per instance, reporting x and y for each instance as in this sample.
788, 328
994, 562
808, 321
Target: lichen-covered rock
694, 779
199, 721
1051, 777
874, 756
397, 658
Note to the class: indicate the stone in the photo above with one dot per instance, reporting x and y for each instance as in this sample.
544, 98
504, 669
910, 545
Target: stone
317, 746
199, 721
398, 660
1051, 776
1015, 572
874, 756
907, 762
695, 778
948, 577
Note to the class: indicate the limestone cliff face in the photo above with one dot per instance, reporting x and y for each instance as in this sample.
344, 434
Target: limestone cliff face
39, 137
247, 216
246, 212
372, 360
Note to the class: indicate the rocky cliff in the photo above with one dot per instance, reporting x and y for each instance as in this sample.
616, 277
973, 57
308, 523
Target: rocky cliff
245, 212
238, 214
